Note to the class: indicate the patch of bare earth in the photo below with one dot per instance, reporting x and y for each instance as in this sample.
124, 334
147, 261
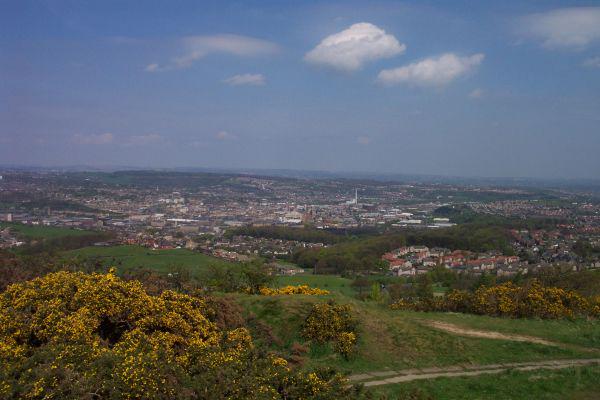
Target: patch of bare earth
458, 330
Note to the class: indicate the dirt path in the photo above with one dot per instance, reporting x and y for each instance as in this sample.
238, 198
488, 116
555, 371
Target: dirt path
390, 377
448, 327
461, 331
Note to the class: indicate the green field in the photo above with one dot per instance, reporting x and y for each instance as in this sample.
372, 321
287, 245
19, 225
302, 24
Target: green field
328, 282
392, 340
43, 232
127, 257
568, 384
579, 332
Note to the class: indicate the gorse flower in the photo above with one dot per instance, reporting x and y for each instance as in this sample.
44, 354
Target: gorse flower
331, 322
289, 290
76, 335
510, 300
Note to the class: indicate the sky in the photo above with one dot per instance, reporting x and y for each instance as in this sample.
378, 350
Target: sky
462, 88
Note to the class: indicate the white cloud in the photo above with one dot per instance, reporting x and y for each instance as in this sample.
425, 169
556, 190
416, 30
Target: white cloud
364, 140
224, 135
152, 68
197, 47
246, 79
476, 93
437, 71
95, 139
593, 62
351, 48
574, 27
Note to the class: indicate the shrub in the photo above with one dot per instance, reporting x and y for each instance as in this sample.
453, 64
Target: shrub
345, 343
327, 320
76, 335
288, 290
529, 301
331, 322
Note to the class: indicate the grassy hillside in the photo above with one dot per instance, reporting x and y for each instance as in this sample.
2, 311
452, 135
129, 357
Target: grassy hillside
43, 232
127, 257
577, 333
328, 282
392, 340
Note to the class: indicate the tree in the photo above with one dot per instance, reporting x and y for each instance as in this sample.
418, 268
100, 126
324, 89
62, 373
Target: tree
376, 292
485, 279
424, 287
583, 248
361, 284
256, 276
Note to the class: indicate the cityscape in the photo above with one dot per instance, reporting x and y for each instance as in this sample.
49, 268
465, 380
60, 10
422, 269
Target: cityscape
170, 216
307, 200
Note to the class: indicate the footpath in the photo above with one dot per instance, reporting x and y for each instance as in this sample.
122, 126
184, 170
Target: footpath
378, 378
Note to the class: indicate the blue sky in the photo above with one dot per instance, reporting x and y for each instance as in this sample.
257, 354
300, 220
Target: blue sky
469, 88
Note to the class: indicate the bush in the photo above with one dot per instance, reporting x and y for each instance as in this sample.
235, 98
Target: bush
287, 290
345, 343
77, 335
532, 300
331, 322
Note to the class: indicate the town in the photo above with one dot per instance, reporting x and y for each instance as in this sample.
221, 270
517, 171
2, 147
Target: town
204, 212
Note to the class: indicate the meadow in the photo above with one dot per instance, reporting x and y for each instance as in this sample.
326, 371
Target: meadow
566, 384
42, 231
128, 257
392, 340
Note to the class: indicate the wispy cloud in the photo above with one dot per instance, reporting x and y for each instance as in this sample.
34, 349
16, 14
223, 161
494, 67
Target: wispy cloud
352, 48
476, 93
224, 135
246, 79
364, 140
152, 68
197, 47
437, 71
93, 139
573, 28
593, 62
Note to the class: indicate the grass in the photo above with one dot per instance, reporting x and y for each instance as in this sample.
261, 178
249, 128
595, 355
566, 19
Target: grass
389, 340
43, 232
579, 332
566, 384
127, 257
328, 282
393, 340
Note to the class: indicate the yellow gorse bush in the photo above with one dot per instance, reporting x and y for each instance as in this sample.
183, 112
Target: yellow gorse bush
79, 335
331, 322
345, 343
510, 300
289, 290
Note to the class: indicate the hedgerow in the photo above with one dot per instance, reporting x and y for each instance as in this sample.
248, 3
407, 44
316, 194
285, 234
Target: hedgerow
288, 290
532, 300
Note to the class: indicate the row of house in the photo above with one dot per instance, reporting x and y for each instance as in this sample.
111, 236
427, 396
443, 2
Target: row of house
413, 260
